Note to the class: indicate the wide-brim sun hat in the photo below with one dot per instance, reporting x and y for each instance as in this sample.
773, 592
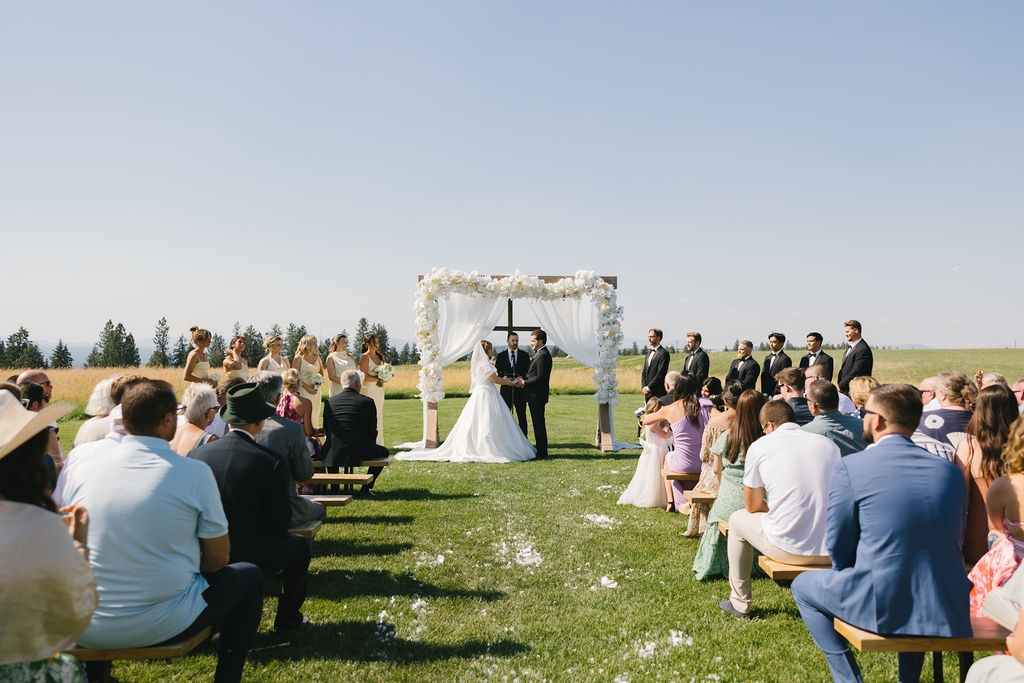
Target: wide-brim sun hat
245, 405
18, 424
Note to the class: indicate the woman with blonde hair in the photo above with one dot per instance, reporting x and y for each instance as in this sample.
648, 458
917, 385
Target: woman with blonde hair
273, 360
956, 395
201, 405
860, 387
373, 386
235, 364
311, 374
293, 406
197, 365
1004, 506
338, 361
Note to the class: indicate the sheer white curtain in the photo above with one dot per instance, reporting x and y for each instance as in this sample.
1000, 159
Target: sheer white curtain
462, 320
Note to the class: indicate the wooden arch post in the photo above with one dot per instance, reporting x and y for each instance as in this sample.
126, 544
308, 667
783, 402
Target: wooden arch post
603, 440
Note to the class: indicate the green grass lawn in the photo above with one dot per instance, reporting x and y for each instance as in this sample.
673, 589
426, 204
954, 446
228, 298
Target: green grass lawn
493, 572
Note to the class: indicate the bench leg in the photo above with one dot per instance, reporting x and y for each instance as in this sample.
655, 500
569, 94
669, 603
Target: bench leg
97, 672
966, 659
937, 667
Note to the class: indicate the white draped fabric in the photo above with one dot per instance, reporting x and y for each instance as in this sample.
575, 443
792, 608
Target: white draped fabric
571, 325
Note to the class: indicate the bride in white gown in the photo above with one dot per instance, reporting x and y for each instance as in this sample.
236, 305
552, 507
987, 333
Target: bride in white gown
485, 431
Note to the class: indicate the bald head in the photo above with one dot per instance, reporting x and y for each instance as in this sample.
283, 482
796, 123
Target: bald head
39, 377
927, 387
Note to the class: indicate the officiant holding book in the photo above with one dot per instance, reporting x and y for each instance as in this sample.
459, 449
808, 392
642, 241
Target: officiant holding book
513, 363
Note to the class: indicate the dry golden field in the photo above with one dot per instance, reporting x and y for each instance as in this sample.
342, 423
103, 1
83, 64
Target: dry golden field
569, 377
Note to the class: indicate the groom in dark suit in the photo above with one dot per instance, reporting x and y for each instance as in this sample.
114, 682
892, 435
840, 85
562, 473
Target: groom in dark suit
652, 377
536, 383
514, 363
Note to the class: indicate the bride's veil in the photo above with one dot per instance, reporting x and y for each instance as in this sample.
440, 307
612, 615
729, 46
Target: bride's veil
480, 367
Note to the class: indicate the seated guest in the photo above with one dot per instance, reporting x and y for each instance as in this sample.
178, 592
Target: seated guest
790, 386
860, 388
253, 483
844, 431
35, 398
711, 389
956, 394
160, 541
99, 406
846, 406
793, 468
350, 422
201, 405
217, 427
895, 517
984, 379
927, 388
671, 382
1003, 668
728, 456
1004, 504
49, 591
718, 422
686, 418
286, 439
980, 457
297, 408
1018, 393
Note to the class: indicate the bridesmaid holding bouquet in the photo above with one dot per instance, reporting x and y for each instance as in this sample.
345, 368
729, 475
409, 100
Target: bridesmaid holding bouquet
197, 365
311, 375
373, 385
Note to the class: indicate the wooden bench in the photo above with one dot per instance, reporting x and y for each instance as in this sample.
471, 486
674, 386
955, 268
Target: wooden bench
330, 500
380, 462
309, 529
723, 528
781, 571
99, 661
988, 636
342, 478
678, 476
700, 497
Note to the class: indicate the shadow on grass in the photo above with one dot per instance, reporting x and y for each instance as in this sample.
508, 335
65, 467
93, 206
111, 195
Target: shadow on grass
591, 452
369, 641
338, 584
349, 548
371, 519
416, 494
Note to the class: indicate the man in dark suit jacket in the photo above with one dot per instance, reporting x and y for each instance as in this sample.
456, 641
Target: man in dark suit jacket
286, 438
895, 519
744, 368
816, 356
652, 377
350, 422
537, 384
253, 483
697, 363
774, 362
513, 363
858, 360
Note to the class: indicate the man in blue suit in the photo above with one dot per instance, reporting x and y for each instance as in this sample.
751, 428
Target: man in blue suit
895, 517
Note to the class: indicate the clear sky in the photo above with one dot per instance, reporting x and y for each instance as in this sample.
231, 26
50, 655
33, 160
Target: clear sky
742, 167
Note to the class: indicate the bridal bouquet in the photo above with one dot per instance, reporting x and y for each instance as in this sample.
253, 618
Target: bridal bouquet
385, 373
316, 381
214, 376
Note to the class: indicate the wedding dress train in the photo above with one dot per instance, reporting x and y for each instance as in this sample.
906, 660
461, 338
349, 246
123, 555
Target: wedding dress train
485, 430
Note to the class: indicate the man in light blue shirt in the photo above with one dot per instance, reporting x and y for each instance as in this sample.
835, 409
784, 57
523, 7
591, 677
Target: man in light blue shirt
159, 541
843, 430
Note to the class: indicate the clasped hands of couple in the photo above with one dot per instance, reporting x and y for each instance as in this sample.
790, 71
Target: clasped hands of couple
517, 382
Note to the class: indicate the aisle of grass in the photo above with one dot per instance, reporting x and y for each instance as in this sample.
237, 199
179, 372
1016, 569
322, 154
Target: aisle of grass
493, 572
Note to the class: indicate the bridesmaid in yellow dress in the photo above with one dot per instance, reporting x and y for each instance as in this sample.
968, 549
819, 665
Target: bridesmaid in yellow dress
373, 386
310, 367
273, 360
234, 364
197, 366
338, 361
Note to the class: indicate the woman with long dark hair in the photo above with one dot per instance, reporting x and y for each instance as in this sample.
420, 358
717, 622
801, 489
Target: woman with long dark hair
717, 424
686, 418
729, 453
980, 458
49, 590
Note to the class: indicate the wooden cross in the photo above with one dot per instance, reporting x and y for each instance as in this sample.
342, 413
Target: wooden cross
604, 417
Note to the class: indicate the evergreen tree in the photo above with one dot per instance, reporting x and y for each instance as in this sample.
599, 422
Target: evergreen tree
292, 335
381, 333
405, 355
253, 346
181, 350
130, 353
635, 350
21, 352
162, 343
95, 359
216, 351
324, 347
362, 329
236, 330
115, 349
275, 329
414, 355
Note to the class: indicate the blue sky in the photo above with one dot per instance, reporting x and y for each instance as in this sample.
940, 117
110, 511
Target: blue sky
742, 167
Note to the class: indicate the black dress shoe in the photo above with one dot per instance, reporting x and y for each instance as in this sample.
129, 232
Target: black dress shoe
367, 493
297, 626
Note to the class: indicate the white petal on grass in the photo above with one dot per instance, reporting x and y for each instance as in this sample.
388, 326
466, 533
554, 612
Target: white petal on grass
603, 521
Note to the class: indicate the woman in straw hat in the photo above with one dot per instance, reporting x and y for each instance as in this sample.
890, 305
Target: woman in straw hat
49, 590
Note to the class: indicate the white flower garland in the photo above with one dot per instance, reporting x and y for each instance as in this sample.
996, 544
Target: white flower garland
441, 282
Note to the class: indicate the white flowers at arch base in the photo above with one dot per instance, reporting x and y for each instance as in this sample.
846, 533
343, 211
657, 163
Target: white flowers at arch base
442, 282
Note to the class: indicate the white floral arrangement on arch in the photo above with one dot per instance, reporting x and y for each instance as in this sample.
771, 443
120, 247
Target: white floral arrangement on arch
441, 282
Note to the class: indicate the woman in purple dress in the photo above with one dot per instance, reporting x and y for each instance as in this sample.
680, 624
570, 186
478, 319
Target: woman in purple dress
687, 416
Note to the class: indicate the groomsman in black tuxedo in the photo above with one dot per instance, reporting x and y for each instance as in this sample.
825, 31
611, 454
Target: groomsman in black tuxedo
744, 368
774, 362
816, 356
858, 360
652, 377
537, 383
697, 363
513, 363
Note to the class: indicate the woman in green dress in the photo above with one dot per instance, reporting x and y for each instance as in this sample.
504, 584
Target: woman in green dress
728, 453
